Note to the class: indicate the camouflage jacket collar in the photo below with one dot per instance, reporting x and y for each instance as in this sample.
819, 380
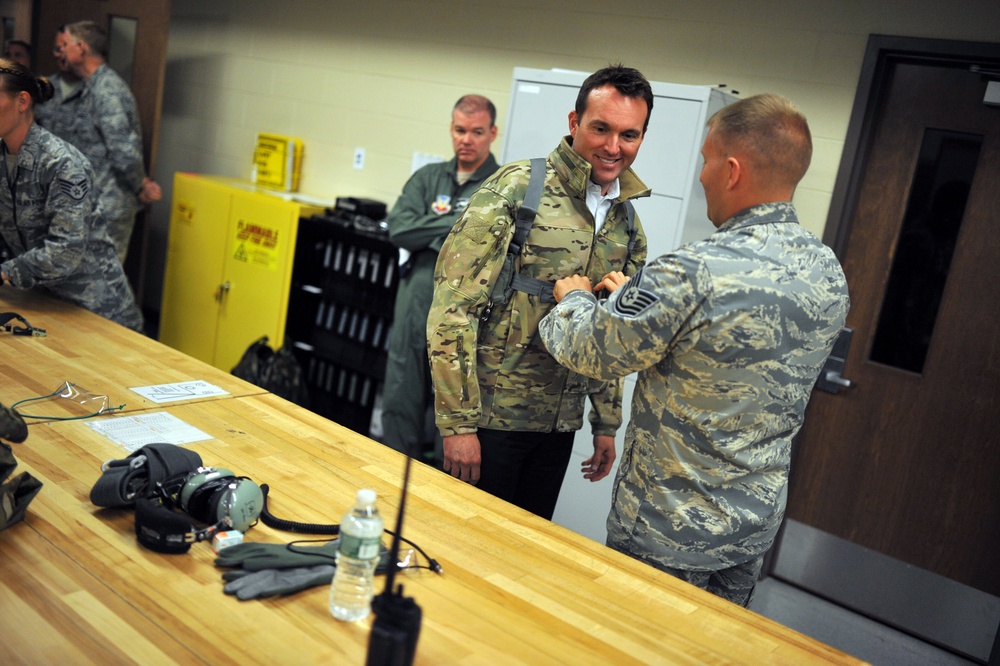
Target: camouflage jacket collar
26, 157
574, 171
768, 213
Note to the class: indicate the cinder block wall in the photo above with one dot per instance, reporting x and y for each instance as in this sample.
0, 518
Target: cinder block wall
383, 75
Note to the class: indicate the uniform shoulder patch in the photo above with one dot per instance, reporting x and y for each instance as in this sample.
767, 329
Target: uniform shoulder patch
634, 300
474, 227
75, 190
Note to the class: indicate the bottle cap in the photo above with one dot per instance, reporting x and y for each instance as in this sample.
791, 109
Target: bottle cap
366, 496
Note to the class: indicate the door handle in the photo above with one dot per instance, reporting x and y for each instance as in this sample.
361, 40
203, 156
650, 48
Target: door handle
830, 378
221, 292
834, 377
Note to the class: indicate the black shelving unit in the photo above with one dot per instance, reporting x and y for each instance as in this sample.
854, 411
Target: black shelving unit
339, 315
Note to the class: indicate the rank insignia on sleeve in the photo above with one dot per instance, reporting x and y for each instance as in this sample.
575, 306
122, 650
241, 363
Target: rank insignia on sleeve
442, 205
634, 299
74, 190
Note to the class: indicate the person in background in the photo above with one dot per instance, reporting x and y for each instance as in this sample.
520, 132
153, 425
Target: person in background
728, 336
18, 51
59, 113
50, 235
506, 409
106, 129
432, 200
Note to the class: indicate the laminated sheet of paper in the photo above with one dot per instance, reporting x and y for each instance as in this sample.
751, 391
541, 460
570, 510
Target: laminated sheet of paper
135, 431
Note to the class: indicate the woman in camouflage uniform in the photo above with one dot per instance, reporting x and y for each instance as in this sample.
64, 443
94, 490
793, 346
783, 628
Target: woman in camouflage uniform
50, 234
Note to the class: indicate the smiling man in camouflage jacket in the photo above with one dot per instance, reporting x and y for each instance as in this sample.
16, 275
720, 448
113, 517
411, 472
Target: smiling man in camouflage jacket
506, 410
728, 335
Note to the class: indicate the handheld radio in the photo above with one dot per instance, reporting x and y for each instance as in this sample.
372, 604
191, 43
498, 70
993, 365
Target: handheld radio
393, 640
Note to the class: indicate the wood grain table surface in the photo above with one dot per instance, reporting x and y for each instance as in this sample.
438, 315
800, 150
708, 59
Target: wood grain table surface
76, 587
96, 355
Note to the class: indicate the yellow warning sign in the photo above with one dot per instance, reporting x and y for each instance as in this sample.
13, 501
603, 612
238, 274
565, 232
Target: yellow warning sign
277, 162
256, 244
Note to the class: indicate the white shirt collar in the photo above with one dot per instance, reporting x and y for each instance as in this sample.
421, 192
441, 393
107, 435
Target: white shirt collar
600, 204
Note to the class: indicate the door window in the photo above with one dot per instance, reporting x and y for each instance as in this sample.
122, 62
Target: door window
940, 188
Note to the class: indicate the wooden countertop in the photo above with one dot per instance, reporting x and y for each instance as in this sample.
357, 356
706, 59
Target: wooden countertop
93, 353
516, 589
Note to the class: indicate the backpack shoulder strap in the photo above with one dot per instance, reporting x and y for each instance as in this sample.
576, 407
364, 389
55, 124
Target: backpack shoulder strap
541, 288
526, 212
528, 209
511, 280
525, 219
632, 229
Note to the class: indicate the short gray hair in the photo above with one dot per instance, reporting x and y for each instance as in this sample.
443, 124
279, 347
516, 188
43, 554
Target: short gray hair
773, 133
91, 34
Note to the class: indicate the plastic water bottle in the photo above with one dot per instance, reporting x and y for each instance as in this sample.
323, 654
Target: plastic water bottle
360, 542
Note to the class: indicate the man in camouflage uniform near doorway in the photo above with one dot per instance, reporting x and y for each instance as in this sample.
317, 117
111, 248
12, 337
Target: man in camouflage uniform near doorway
106, 129
58, 114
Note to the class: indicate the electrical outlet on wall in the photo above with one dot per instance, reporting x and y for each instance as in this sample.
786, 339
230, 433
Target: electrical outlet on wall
359, 158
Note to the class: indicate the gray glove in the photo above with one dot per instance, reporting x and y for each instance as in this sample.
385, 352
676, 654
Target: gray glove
274, 582
260, 556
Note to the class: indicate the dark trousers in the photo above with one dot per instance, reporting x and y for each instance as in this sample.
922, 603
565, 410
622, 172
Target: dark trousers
525, 468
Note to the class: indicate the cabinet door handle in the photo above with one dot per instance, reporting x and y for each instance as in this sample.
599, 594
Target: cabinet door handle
221, 292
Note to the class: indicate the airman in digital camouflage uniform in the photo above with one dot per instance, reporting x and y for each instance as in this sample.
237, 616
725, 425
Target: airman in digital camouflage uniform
728, 335
506, 410
106, 129
58, 114
50, 235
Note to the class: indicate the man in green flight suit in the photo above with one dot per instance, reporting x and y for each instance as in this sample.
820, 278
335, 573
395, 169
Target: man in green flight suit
432, 200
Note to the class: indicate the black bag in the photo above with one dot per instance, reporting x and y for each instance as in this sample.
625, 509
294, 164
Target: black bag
17, 493
276, 371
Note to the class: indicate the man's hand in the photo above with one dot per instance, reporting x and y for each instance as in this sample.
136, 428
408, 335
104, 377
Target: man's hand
462, 456
611, 282
599, 465
568, 284
150, 191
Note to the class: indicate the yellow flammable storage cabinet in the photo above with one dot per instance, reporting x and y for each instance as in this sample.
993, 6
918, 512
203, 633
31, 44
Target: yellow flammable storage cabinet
229, 267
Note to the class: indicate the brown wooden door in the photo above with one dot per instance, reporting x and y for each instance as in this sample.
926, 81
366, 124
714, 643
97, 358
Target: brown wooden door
149, 58
907, 462
148, 65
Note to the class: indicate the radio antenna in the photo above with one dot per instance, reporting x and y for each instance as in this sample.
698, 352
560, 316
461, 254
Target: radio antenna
394, 551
